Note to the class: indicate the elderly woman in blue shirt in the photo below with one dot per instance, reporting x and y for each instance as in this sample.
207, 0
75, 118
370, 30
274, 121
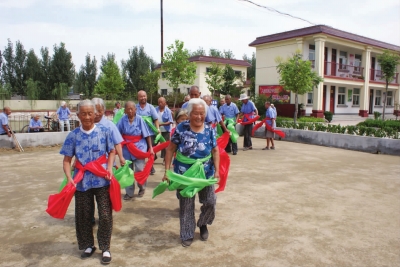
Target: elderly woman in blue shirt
196, 140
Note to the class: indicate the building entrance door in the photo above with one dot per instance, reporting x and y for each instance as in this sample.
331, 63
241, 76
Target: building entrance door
332, 100
371, 101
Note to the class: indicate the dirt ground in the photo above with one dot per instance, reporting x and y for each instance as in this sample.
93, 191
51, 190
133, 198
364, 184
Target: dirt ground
299, 205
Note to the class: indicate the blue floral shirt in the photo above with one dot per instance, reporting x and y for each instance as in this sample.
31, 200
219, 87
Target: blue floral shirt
195, 146
86, 148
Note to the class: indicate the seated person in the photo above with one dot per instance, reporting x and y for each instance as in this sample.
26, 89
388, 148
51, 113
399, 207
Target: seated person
35, 125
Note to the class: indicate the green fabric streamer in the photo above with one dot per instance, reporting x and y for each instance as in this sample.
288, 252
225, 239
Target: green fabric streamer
124, 175
119, 115
65, 182
219, 130
191, 182
149, 122
230, 125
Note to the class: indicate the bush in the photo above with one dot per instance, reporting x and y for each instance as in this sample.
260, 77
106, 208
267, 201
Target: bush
377, 115
381, 124
328, 115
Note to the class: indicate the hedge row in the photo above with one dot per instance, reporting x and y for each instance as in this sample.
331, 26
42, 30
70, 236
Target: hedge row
395, 124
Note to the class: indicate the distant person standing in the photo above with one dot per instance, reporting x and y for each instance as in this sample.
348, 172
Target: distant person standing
164, 120
230, 111
248, 110
221, 103
270, 116
194, 93
117, 107
35, 125
63, 114
5, 130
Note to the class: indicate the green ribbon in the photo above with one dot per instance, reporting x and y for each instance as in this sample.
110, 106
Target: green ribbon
119, 115
230, 125
191, 182
149, 122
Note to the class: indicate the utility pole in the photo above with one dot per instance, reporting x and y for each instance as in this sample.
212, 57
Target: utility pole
162, 31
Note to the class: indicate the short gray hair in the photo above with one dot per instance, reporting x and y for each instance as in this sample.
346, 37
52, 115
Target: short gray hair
86, 103
99, 101
196, 101
63, 103
206, 96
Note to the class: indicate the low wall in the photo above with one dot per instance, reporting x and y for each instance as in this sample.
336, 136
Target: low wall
351, 142
34, 139
36, 105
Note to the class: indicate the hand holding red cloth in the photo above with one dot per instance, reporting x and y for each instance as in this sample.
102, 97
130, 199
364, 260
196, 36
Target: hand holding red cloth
224, 161
249, 120
268, 127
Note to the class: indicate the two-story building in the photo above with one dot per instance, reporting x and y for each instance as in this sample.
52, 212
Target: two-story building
348, 63
203, 63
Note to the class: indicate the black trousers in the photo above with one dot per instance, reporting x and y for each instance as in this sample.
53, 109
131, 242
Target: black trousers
247, 135
231, 147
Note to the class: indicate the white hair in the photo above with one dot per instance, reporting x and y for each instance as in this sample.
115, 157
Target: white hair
196, 101
99, 101
86, 103
63, 103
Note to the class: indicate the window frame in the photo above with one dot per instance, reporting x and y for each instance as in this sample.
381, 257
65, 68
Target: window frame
376, 102
356, 96
389, 97
164, 92
342, 96
308, 98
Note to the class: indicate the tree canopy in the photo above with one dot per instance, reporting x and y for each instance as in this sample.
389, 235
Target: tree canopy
110, 83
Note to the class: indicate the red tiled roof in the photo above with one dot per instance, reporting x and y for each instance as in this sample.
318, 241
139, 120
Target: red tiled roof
219, 60
325, 30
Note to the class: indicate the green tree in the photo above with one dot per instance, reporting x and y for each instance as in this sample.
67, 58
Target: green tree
20, 65
214, 78
150, 80
46, 87
296, 75
85, 79
251, 72
199, 52
110, 83
8, 68
62, 68
388, 62
229, 54
215, 53
178, 69
32, 91
32, 67
229, 78
60, 91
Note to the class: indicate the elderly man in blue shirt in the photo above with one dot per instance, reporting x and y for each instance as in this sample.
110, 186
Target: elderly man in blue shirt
231, 113
63, 114
150, 116
213, 117
194, 92
164, 120
4, 129
248, 110
35, 125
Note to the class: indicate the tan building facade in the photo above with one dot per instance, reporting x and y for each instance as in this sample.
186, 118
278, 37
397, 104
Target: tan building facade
348, 63
203, 63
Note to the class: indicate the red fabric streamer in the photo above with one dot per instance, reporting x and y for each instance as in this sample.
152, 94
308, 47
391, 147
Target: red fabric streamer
268, 127
224, 161
129, 142
57, 204
249, 120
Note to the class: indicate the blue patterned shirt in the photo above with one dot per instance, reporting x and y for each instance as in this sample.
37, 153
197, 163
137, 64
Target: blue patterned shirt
138, 127
149, 111
195, 146
230, 111
115, 134
86, 148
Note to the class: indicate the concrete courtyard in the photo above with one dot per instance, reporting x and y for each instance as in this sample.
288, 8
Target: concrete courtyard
300, 205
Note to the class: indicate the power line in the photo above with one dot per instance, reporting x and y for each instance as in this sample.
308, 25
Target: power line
276, 11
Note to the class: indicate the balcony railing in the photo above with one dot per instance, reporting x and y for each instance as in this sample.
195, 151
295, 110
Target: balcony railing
376, 75
343, 70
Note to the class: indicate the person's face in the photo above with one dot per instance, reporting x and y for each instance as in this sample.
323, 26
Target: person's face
7, 111
228, 100
194, 93
207, 100
222, 102
118, 105
142, 97
187, 98
161, 103
267, 105
182, 118
36, 118
245, 101
130, 111
86, 115
197, 116
100, 113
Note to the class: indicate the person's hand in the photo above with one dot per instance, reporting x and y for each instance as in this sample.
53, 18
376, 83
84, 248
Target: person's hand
151, 151
158, 130
70, 180
216, 176
109, 174
9, 134
165, 178
122, 161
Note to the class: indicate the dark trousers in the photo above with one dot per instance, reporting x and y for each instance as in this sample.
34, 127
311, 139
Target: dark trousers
84, 202
247, 135
231, 147
166, 136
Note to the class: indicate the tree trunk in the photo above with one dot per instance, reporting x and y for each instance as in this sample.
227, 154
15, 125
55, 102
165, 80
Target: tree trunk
296, 106
384, 101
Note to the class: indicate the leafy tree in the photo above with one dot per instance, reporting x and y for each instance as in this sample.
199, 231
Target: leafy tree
32, 67
388, 62
215, 53
60, 91
8, 68
45, 74
214, 78
19, 65
297, 76
85, 79
229, 78
62, 69
1, 73
251, 71
229, 54
150, 80
178, 69
32, 91
199, 52
135, 67
105, 60
110, 83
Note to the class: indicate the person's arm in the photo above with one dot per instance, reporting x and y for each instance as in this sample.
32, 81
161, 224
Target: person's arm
169, 152
7, 130
221, 122
148, 139
110, 163
118, 148
215, 156
67, 169
157, 124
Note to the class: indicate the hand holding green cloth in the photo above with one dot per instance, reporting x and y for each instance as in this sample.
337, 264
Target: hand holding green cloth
124, 175
119, 115
230, 125
191, 182
149, 122
65, 182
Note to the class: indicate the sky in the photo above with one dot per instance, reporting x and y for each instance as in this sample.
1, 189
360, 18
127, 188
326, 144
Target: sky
101, 26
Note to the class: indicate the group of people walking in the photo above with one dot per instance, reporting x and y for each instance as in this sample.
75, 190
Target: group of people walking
134, 138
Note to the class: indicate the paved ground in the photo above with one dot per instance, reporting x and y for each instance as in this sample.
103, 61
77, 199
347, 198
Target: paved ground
300, 205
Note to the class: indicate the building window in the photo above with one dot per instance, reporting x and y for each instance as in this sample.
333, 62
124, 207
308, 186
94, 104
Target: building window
389, 98
378, 97
188, 90
342, 96
163, 74
178, 90
238, 73
164, 91
343, 60
208, 70
357, 64
356, 97
309, 98
311, 55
